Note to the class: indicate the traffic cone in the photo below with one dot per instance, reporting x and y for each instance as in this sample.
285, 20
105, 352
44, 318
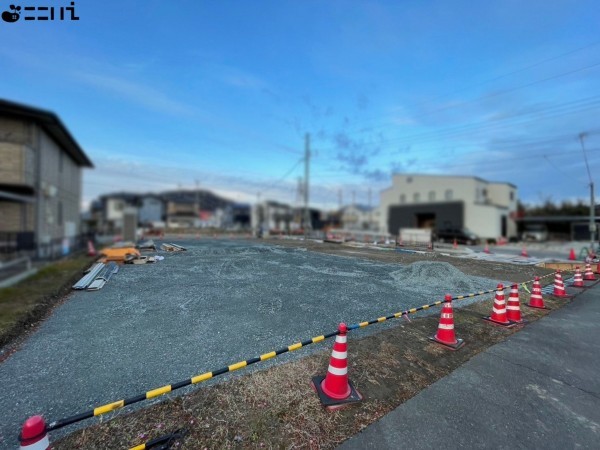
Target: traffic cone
335, 389
513, 308
524, 253
578, 281
486, 248
91, 251
536, 300
588, 275
445, 334
455, 246
499, 310
572, 255
33, 434
559, 286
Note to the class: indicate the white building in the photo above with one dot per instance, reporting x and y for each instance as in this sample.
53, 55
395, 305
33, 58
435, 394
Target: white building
444, 201
360, 217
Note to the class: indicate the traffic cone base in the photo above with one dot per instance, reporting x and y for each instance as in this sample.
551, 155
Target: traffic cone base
507, 324
561, 295
332, 404
537, 307
459, 343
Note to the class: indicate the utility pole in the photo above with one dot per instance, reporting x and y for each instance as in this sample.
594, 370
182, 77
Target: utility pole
592, 201
197, 201
307, 223
370, 210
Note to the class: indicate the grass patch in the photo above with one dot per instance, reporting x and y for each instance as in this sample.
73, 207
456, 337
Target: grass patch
26, 302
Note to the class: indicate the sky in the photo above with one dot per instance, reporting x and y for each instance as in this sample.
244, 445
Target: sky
221, 94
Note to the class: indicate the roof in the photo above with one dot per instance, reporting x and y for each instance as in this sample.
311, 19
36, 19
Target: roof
52, 124
439, 175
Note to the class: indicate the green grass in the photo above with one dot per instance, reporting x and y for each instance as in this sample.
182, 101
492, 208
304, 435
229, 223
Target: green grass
24, 302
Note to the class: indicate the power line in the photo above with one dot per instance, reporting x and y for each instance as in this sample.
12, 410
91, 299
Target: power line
522, 69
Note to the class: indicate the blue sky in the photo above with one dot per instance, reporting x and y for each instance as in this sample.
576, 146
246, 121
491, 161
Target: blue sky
161, 94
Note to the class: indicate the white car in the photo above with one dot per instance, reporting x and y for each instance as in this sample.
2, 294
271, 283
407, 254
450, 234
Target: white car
535, 232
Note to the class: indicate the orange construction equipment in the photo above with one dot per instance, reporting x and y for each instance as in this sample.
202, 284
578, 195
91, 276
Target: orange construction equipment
524, 252
536, 300
335, 390
499, 310
91, 250
572, 256
559, 286
118, 254
588, 275
445, 334
513, 307
33, 434
578, 281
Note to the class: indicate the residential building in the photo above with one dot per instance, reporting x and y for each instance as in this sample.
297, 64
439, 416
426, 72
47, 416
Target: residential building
40, 182
272, 215
446, 201
360, 217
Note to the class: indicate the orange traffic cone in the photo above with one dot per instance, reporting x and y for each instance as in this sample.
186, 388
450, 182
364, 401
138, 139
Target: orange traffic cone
445, 334
486, 248
536, 300
91, 250
335, 389
455, 246
588, 275
572, 255
33, 434
513, 307
559, 286
524, 253
578, 281
499, 310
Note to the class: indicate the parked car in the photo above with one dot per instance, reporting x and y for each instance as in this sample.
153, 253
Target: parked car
535, 232
462, 236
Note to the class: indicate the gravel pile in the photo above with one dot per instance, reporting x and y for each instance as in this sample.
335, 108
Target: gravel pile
438, 277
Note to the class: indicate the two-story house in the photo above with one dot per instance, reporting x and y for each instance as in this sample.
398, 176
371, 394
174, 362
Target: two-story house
40, 181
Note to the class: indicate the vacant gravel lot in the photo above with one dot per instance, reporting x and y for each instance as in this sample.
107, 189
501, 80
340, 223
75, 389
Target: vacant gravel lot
196, 311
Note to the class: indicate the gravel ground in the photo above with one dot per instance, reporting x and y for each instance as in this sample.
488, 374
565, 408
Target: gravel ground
196, 311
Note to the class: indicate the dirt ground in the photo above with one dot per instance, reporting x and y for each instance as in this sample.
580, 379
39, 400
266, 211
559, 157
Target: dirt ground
277, 408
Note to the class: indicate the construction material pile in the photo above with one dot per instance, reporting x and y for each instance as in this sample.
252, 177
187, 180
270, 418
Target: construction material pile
98, 275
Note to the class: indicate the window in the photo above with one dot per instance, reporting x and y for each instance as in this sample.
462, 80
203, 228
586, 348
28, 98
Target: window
432, 196
484, 193
448, 194
409, 179
512, 196
416, 197
60, 213
402, 198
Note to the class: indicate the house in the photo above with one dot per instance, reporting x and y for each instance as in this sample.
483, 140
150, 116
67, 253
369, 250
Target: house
272, 215
41, 167
360, 217
446, 201
183, 208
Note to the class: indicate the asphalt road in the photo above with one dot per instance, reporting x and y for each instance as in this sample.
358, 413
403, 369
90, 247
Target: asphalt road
197, 311
538, 389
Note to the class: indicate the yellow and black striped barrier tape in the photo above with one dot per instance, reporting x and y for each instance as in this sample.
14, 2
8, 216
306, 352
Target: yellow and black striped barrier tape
103, 409
193, 380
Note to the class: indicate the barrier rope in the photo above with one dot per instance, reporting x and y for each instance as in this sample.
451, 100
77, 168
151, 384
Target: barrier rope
166, 440
103, 409
193, 380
